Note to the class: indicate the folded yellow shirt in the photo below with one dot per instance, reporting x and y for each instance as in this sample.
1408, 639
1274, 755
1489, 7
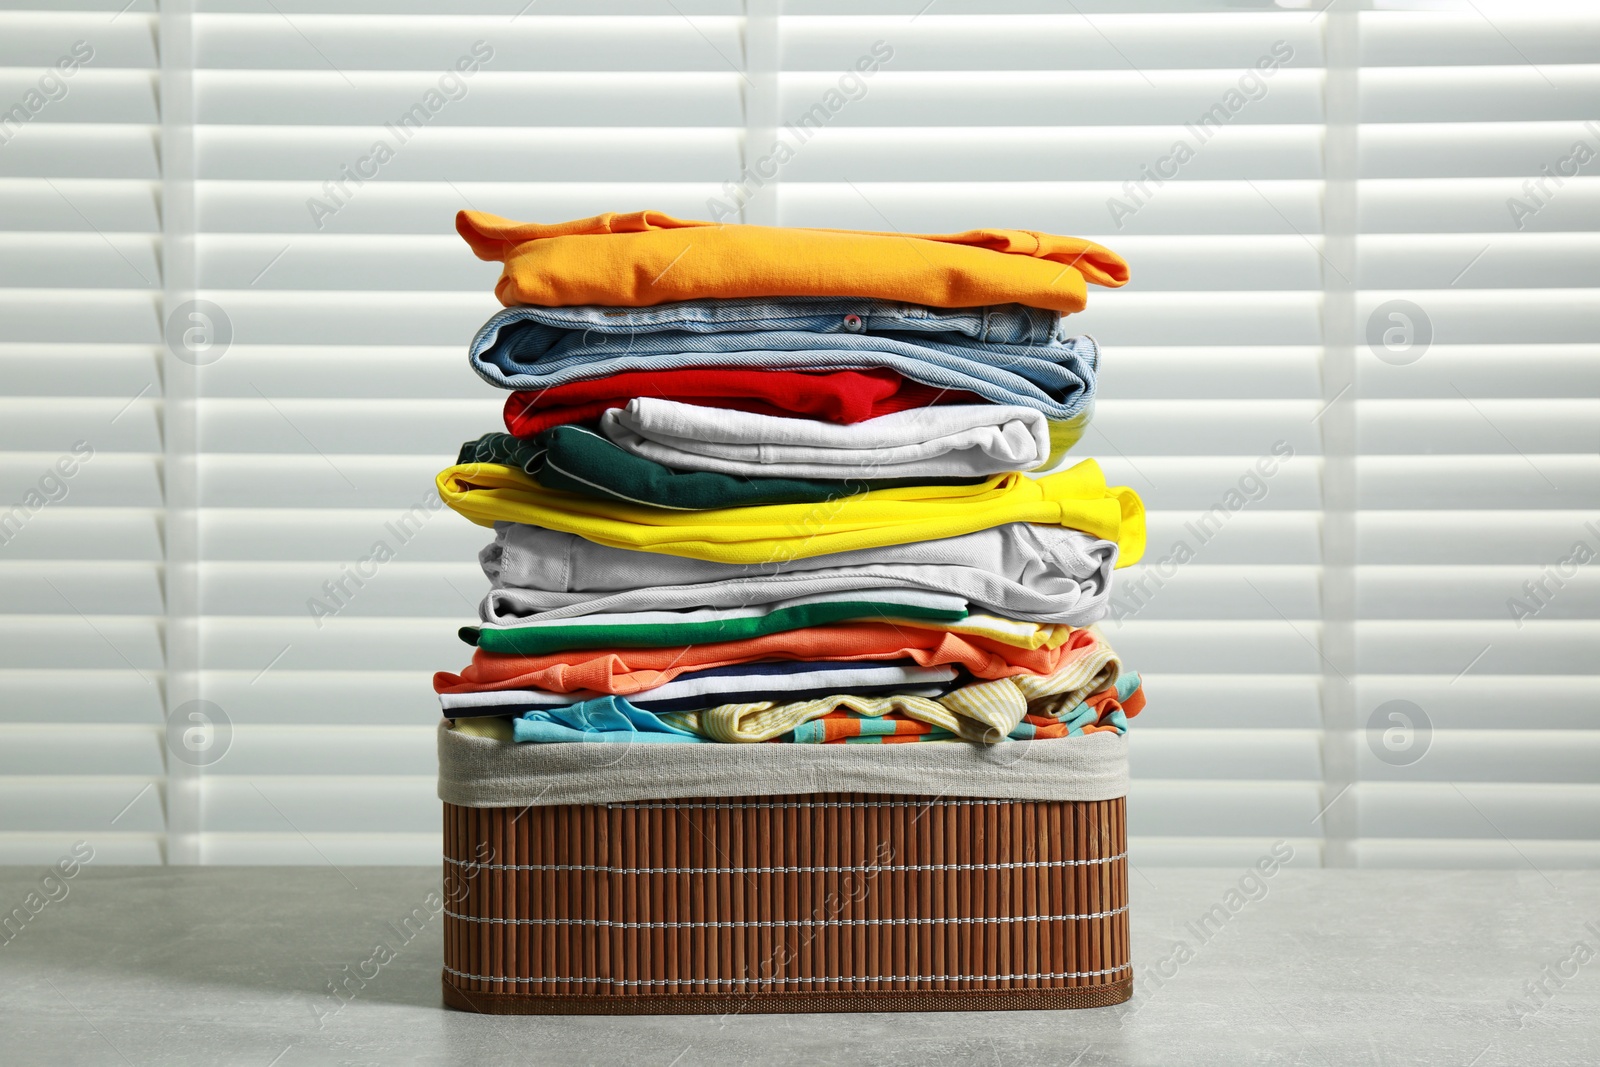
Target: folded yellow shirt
1078, 498
645, 258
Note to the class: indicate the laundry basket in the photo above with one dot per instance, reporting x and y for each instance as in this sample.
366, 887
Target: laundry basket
643, 889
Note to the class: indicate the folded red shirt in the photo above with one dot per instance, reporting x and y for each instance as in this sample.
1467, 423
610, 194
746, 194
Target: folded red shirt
844, 396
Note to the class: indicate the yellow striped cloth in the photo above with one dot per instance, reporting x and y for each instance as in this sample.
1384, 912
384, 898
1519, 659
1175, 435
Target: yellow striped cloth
1014, 632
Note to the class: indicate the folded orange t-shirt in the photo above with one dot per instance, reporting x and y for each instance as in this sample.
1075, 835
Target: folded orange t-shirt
645, 258
633, 670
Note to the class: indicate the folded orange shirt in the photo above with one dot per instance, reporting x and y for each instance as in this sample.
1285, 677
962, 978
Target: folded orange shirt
645, 258
633, 670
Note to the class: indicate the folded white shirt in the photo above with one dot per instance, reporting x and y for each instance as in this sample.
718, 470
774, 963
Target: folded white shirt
941, 441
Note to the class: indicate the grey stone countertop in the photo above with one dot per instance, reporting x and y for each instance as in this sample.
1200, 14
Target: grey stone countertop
234, 965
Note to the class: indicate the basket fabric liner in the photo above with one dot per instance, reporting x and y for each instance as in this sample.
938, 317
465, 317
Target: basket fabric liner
478, 772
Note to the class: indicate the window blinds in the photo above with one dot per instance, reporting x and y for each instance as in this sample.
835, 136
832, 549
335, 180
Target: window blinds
1479, 429
332, 150
1280, 179
81, 548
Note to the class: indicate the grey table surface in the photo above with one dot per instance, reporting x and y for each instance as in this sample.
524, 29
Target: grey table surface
234, 965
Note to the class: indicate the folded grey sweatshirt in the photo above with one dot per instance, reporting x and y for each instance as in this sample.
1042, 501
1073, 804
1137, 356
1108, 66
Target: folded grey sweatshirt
1028, 571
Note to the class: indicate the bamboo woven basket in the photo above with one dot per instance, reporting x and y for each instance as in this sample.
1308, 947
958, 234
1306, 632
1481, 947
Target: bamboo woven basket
818, 903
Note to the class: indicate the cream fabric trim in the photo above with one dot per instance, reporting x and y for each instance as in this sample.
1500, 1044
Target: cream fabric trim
487, 773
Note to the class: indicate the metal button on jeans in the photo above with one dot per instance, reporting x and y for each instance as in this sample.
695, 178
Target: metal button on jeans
852, 323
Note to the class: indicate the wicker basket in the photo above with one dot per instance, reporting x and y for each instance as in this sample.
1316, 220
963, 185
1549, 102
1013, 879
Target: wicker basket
823, 902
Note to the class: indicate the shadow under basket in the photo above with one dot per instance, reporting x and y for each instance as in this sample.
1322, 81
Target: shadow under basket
828, 902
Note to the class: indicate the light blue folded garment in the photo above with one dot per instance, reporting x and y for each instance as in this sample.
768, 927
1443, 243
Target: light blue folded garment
603, 719
1007, 354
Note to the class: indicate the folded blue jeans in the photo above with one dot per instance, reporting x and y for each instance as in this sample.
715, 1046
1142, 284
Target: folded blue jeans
1007, 354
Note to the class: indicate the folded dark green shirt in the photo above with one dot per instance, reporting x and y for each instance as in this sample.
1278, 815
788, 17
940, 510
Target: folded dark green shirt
578, 460
735, 625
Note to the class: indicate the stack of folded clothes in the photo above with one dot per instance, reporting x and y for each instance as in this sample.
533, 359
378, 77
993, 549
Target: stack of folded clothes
787, 485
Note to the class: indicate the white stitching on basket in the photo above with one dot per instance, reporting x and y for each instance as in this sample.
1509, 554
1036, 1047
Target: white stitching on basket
603, 868
773, 981
617, 924
775, 804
